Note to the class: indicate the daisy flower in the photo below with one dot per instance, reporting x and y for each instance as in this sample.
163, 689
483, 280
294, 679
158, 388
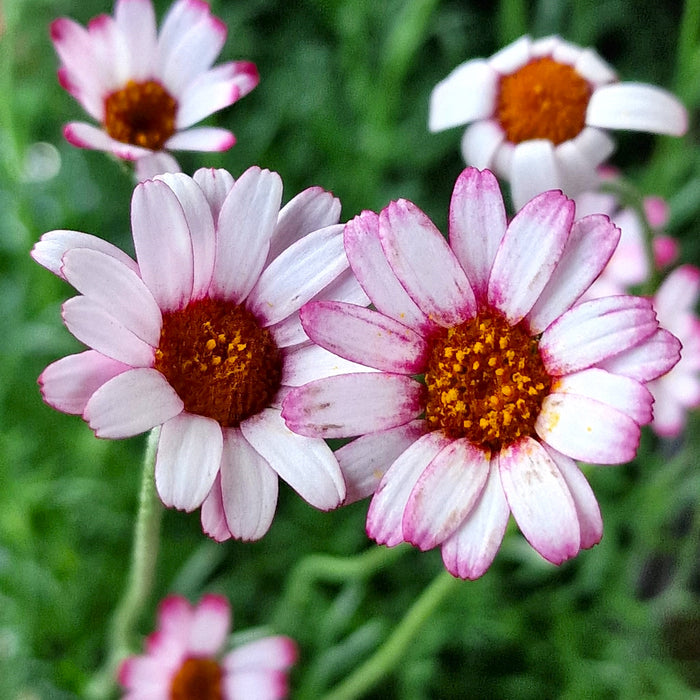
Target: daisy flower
185, 658
201, 335
679, 390
147, 89
540, 110
517, 381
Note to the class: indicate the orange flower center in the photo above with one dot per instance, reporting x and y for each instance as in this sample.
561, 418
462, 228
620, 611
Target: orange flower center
142, 114
219, 360
198, 679
486, 381
543, 100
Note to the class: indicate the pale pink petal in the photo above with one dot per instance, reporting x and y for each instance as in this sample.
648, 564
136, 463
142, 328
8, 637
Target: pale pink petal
136, 19
155, 163
590, 245
678, 292
477, 225
271, 653
669, 415
589, 517
289, 332
469, 551
365, 336
624, 394
132, 403
89, 95
215, 89
352, 404
310, 362
586, 429
187, 460
248, 488
481, 142
369, 263
306, 464
540, 500
210, 625
109, 283
163, 244
111, 50
146, 678
577, 173
647, 360
68, 383
596, 146
175, 616
424, 264
93, 325
444, 494
594, 331
216, 183
666, 249
83, 135
260, 685
533, 170
201, 138
468, 93
529, 253
246, 221
386, 509
638, 107
364, 461
310, 210
213, 516
298, 274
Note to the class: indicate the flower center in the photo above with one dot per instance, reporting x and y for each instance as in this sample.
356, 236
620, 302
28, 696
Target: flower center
198, 679
142, 114
486, 382
219, 360
543, 100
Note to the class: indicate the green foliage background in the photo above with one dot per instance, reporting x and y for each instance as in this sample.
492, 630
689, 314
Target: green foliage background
342, 103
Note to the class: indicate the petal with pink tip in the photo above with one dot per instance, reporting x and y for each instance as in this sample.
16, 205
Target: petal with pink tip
136, 19
424, 264
213, 516
306, 464
246, 222
469, 551
647, 360
353, 404
310, 362
145, 677
586, 429
83, 135
365, 336
111, 50
201, 138
529, 253
248, 488
211, 622
386, 510
132, 403
591, 244
216, 183
679, 292
444, 494
540, 500
267, 653
364, 461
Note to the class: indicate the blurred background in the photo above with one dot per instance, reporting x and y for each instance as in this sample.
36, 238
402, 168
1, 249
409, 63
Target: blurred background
342, 103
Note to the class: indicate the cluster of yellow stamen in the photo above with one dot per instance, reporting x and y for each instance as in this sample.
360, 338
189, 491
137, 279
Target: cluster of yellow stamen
543, 100
485, 381
198, 677
219, 360
142, 114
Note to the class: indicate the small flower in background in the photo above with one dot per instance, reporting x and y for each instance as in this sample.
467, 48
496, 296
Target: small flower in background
147, 89
202, 337
185, 658
540, 110
518, 382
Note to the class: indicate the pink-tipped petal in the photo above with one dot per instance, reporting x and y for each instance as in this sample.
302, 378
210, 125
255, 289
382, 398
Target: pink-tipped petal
385, 514
137, 22
187, 460
444, 494
210, 625
540, 500
306, 464
310, 362
529, 253
201, 138
272, 653
477, 225
83, 135
352, 404
216, 183
132, 403
469, 551
424, 264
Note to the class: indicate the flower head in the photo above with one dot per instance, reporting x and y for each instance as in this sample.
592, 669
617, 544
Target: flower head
201, 336
517, 381
540, 110
147, 89
185, 658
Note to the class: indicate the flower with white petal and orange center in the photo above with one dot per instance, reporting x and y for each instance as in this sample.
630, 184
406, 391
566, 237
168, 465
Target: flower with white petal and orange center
490, 381
540, 110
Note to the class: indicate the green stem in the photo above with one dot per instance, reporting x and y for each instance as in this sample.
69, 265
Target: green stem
365, 676
686, 56
138, 588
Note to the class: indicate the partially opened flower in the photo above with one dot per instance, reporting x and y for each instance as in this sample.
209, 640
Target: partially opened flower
201, 335
540, 110
186, 658
517, 380
147, 89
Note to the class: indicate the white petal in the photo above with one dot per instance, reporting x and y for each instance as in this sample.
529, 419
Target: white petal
83, 135
216, 183
201, 138
513, 56
647, 360
481, 142
153, 164
533, 170
212, 514
593, 68
137, 21
310, 362
576, 173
